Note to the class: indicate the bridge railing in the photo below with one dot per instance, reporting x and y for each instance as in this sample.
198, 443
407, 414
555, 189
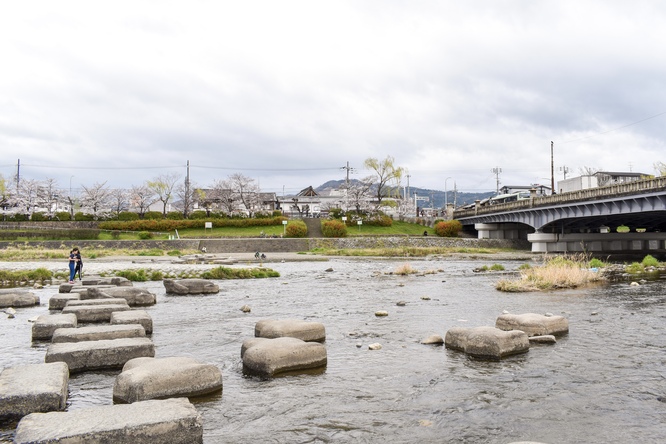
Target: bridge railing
616, 190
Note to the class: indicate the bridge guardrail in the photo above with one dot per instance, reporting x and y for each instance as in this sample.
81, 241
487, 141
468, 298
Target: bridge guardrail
616, 190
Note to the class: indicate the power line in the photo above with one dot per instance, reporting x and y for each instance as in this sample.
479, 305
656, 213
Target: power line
614, 129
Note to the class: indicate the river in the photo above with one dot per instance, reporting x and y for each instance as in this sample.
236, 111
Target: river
601, 383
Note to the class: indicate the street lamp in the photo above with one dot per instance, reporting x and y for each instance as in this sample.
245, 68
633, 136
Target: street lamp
70, 186
446, 195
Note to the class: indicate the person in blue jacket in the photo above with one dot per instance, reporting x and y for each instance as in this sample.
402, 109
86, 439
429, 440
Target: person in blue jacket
73, 260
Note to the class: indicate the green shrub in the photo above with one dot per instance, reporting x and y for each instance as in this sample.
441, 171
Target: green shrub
296, 228
83, 216
596, 263
650, 261
334, 228
153, 215
524, 267
174, 215
448, 228
198, 214
239, 273
133, 275
497, 267
128, 215
156, 275
38, 217
62, 215
635, 268
173, 253
145, 235
40, 274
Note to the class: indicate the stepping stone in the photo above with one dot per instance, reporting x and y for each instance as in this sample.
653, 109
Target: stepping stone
487, 342
98, 333
91, 355
45, 325
140, 317
58, 301
190, 286
158, 378
32, 388
17, 298
533, 324
114, 281
132, 295
89, 302
269, 357
293, 328
95, 313
174, 421
77, 288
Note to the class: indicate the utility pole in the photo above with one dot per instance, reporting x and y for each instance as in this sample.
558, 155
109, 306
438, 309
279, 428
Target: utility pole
565, 170
496, 171
348, 168
18, 174
552, 170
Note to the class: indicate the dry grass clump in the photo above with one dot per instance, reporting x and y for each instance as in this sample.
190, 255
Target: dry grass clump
557, 272
405, 269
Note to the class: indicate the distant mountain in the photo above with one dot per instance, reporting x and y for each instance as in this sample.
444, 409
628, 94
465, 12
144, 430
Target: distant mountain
436, 196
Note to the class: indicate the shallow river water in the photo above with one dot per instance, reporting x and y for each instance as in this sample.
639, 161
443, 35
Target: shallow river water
602, 383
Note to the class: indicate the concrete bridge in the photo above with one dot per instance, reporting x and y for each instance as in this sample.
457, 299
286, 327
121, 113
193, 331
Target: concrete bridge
580, 221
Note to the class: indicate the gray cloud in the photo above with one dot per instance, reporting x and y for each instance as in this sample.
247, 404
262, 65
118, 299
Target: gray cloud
288, 92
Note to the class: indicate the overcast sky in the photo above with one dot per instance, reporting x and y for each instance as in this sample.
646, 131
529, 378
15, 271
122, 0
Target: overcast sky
288, 92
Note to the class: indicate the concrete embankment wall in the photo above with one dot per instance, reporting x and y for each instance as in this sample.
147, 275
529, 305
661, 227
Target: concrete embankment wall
247, 245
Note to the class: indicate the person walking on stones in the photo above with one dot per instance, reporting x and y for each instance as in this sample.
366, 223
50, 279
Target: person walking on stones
79, 265
73, 260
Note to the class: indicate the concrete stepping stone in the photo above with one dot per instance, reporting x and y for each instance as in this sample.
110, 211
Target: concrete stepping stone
269, 357
17, 298
95, 313
98, 333
487, 342
293, 328
45, 325
174, 421
78, 288
140, 317
107, 353
158, 378
132, 295
534, 324
190, 286
112, 281
88, 302
58, 301
32, 388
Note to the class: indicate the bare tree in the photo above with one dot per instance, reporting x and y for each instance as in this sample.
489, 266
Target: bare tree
187, 194
163, 187
359, 192
49, 195
223, 196
660, 168
245, 190
96, 197
387, 176
119, 200
141, 197
588, 171
27, 197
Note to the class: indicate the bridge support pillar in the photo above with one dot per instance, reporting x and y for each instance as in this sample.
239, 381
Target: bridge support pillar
500, 231
654, 243
544, 242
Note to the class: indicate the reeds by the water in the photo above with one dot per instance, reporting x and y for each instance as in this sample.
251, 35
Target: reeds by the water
556, 272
